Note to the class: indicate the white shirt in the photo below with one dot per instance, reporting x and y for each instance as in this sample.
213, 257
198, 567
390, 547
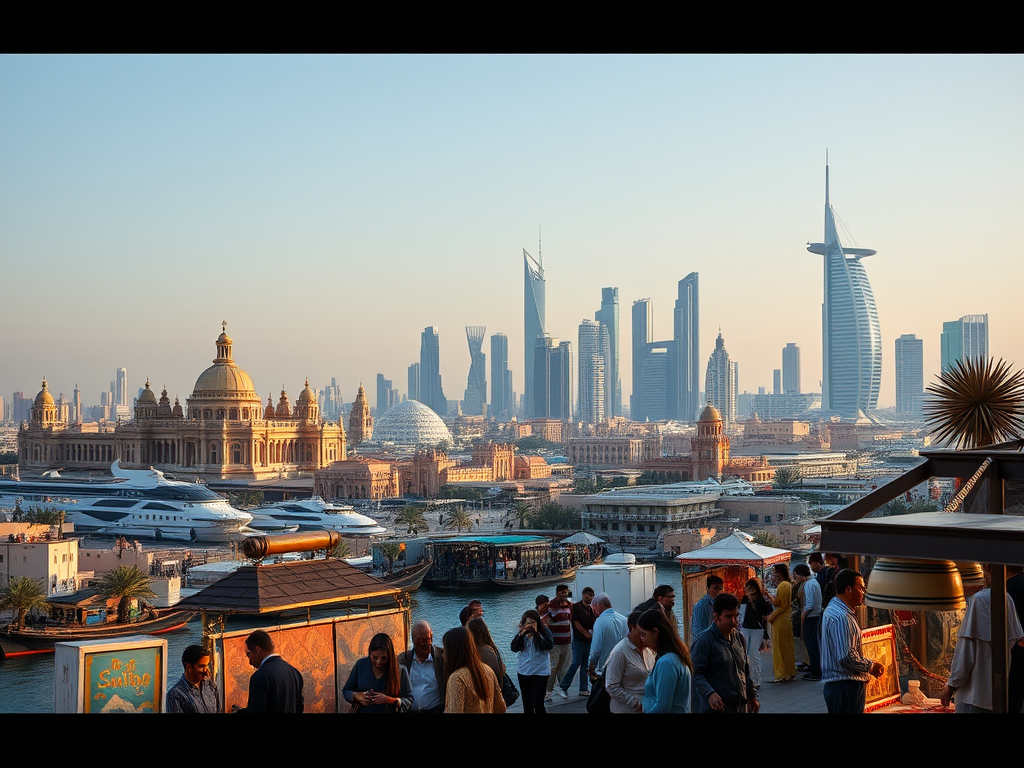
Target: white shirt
609, 628
626, 673
971, 671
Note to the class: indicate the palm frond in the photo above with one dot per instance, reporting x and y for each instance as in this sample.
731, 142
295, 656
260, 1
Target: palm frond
976, 403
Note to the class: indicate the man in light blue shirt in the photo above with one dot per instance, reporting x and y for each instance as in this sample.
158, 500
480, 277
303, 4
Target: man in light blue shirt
609, 629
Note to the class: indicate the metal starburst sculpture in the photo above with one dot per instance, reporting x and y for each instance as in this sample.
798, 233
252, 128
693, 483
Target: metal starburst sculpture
976, 403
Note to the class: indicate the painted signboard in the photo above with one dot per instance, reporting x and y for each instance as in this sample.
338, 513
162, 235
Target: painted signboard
126, 675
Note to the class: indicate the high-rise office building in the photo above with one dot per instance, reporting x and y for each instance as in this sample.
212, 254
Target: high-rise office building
686, 351
777, 381
476, 384
431, 391
76, 405
552, 378
501, 379
121, 391
909, 374
655, 373
719, 383
643, 334
608, 317
791, 369
533, 317
414, 382
851, 334
387, 395
594, 353
963, 339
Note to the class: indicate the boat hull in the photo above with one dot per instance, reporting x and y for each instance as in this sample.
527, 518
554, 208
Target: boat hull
410, 579
35, 641
537, 581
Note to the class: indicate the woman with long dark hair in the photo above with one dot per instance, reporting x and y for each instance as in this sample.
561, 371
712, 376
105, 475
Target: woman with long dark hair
377, 682
486, 647
472, 686
668, 687
754, 625
783, 650
532, 642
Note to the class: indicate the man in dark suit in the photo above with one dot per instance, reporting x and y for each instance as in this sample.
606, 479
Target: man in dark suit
425, 664
275, 686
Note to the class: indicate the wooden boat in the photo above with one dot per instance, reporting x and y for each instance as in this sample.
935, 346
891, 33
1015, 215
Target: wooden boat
535, 581
31, 640
409, 578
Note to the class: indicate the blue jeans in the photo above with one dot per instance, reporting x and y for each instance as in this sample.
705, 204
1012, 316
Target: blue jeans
845, 697
580, 655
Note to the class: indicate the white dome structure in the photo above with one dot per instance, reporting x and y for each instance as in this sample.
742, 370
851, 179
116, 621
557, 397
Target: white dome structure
411, 423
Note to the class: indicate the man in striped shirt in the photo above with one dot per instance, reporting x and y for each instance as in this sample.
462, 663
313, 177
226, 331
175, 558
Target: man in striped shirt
845, 671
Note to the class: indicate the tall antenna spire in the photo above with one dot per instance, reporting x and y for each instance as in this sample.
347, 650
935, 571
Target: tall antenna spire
540, 256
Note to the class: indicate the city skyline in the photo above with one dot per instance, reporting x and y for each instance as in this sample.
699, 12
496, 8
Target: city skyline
210, 187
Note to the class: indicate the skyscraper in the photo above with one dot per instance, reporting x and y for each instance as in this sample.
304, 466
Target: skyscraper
655, 373
964, 338
476, 384
533, 318
414, 382
387, 396
121, 392
850, 332
593, 352
431, 392
552, 378
608, 316
791, 369
686, 351
719, 383
909, 374
643, 334
501, 378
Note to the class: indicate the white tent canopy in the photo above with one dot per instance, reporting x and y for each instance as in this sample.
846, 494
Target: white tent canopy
736, 550
582, 538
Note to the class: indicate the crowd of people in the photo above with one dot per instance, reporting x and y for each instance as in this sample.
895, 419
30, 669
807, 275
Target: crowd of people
630, 664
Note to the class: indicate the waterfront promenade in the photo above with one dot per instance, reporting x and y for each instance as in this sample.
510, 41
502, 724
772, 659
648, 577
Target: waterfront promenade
798, 697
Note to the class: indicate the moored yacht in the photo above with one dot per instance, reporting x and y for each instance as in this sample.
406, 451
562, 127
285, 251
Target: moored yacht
133, 503
313, 514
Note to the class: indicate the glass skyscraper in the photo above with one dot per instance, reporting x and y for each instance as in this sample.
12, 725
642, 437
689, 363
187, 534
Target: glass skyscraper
431, 393
501, 379
533, 319
962, 339
850, 332
608, 316
686, 351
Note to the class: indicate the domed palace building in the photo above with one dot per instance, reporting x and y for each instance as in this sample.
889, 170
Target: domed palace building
225, 434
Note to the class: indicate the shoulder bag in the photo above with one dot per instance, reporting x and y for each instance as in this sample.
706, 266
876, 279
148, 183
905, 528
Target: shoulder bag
599, 702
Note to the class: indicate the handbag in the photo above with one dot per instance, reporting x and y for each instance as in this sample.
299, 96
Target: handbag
599, 702
766, 643
509, 692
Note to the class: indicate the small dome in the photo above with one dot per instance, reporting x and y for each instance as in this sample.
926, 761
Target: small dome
223, 377
148, 396
411, 423
710, 413
306, 395
44, 397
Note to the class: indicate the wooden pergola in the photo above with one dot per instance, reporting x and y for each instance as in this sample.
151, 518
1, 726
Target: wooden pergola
990, 537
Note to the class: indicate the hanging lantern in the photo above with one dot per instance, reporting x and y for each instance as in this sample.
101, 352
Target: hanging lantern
915, 585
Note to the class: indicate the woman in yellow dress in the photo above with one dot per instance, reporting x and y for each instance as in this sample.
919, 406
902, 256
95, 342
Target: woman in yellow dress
783, 653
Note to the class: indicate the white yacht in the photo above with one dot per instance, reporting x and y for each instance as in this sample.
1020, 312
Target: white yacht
133, 503
313, 514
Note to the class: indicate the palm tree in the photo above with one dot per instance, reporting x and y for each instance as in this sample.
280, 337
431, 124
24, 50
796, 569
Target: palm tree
459, 520
413, 519
125, 582
976, 403
391, 550
22, 595
767, 539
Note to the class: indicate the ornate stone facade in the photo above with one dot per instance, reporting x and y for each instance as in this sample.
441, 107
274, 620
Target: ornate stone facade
225, 435
360, 422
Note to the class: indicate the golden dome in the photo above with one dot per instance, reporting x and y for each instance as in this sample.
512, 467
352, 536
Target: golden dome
148, 396
710, 413
44, 397
223, 376
306, 395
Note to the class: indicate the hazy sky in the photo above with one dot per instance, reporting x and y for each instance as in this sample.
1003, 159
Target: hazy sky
330, 207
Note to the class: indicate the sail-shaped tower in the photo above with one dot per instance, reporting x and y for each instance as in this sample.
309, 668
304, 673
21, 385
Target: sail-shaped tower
850, 332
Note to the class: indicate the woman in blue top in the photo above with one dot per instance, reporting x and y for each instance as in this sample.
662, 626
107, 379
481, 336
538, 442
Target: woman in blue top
377, 682
668, 687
